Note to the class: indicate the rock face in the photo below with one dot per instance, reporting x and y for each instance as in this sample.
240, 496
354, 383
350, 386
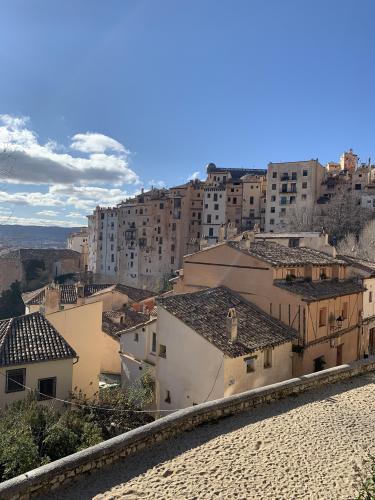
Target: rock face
34, 268
316, 445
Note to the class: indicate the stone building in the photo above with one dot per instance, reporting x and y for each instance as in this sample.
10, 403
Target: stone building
36, 267
102, 242
292, 188
141, 242
223, 204
229, 346
253, 201
305, 289
79, 242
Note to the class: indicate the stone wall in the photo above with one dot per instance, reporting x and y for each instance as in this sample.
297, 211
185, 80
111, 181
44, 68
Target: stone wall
52, 476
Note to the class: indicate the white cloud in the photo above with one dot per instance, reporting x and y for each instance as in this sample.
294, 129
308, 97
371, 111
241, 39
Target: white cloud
30, 221
193, 176
23, 160
47, 213
157, 184
75, 215
30, 199
96, 143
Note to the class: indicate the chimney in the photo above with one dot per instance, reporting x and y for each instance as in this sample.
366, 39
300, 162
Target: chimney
52, 299
231, 324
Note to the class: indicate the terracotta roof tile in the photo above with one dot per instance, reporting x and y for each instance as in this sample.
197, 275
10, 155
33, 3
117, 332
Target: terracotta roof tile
205, 312
29, 339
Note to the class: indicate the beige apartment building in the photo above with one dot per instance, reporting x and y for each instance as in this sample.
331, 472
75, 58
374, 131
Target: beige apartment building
79, 242
305, 289
254, 188
292, 188
229, 346
33, 355
224, 200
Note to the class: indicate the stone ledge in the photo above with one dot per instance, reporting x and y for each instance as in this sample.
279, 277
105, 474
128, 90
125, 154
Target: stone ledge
55, 474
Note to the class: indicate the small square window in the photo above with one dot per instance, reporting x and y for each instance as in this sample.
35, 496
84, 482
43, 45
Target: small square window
250, 365
274, 175
304, 185
273, 210
267, 353
47, 388
304, 173
273, 187
162, 351
15, 380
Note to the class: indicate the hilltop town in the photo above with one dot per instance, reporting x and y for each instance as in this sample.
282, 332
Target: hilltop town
205, 291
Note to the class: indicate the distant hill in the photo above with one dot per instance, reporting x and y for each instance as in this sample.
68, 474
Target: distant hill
16, 236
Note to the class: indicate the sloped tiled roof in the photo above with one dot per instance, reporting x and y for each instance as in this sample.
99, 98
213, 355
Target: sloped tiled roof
319, 290
364, 265
135, 294
69, 295
205, 312
129, 317
280, 255
30, 339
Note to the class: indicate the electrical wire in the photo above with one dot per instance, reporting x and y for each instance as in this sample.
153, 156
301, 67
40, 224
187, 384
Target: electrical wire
82, 405
213, 385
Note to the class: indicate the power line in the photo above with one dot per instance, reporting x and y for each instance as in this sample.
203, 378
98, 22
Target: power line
82, 405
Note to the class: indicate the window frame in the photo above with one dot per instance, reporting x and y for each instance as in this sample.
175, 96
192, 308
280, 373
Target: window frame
41, 397
9, 376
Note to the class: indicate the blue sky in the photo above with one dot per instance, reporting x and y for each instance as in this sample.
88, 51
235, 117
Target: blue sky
100, 98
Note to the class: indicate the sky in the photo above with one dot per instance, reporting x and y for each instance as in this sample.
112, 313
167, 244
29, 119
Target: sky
99, 98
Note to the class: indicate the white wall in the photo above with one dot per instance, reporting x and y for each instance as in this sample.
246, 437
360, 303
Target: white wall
190, 368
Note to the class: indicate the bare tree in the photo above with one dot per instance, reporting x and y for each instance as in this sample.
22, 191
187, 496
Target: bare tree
363, 246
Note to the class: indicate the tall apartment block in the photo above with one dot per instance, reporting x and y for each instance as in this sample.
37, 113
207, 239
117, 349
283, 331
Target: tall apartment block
102, 242
141, 242
291, 187
224, 200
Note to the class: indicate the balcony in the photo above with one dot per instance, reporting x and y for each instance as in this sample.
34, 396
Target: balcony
288, 191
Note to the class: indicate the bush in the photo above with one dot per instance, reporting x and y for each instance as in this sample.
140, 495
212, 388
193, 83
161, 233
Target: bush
33, 434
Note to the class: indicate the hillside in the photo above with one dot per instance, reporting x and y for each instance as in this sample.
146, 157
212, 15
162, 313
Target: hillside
17, 236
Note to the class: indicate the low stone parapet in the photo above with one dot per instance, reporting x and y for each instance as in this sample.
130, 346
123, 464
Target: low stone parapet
56, 474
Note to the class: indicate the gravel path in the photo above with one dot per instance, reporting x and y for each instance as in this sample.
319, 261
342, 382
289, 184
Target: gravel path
313, 446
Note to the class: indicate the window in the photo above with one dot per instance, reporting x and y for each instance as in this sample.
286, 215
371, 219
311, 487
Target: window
15, 380
294, 176
234, 200
46, 388
250, 365
319, 364
215, 196
323, 316
284, 188
167, 397
272, 210
370, 297
293, 187
153, 345
211, 231
283, 200
304, 185
273, 187
136, 336
162, 351
292, 200
251, 200
161, 206
304, 173
272, 222
357, 187
304, 196
267, 362
273, 198
172, 259
216, 206
345, 310
208, 218
112, 258
208, 195
274, 175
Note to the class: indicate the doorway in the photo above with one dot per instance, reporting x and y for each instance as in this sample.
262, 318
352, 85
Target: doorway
371, 342
339, 355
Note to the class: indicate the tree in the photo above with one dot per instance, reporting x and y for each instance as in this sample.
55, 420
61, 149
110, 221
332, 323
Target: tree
363, 246
11, 303
42, 433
